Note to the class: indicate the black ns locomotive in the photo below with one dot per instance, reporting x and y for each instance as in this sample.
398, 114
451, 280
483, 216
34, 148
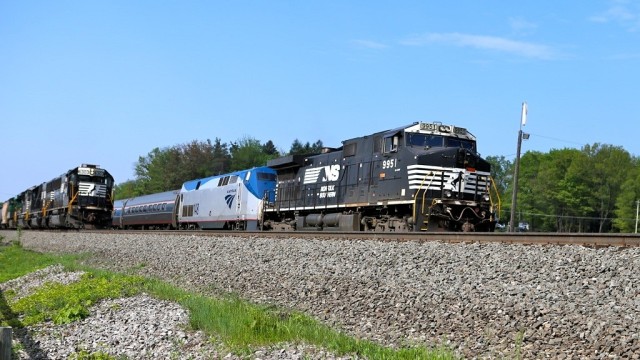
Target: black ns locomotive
79, 198
421, 177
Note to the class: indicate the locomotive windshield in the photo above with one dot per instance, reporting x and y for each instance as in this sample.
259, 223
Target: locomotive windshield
425, 141
430, 141
266, 176
95, 179
461, 143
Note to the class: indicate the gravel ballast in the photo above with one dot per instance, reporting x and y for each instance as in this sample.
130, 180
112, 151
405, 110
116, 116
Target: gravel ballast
485, 301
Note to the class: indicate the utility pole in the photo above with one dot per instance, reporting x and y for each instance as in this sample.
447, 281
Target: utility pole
637, 208
516, 171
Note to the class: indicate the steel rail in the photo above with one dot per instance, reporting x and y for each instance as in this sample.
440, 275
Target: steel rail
581, 239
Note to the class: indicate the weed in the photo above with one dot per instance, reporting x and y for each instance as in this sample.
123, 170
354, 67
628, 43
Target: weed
67, 303
519, 340
85, 355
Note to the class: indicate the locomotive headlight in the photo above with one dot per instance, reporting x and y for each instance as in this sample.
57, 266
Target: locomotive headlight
448, 193
486, 197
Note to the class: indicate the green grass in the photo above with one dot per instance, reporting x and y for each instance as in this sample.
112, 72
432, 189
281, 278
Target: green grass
240, 325
66, 303
243, 326
16, 262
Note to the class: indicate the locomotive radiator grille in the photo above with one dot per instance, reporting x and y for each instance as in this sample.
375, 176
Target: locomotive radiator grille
438, 178
92, 189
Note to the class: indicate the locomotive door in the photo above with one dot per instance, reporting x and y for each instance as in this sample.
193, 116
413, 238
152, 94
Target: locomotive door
374, 169
358, 182
239, 204
241, 208
176, 211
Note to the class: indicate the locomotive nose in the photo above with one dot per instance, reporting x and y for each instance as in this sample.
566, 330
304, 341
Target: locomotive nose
451, 157
466, 159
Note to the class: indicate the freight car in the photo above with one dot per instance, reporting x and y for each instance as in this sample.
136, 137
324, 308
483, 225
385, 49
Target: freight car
228, 201
420, 177
79, 198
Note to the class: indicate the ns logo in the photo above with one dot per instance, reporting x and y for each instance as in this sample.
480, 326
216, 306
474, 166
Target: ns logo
329, 173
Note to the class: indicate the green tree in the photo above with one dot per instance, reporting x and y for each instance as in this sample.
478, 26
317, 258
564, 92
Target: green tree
247, 153
528, 201
566, 189
605, 179
125, 190
221, 158
197, 160
626, 203
270, 149
316, 148
298, 149
167, 169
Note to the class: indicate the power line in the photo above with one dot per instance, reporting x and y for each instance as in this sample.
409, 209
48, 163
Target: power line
560, 140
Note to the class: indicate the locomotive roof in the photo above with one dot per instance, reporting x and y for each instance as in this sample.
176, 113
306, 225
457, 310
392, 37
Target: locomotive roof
385, 132
424, 127
285, 162
192, 184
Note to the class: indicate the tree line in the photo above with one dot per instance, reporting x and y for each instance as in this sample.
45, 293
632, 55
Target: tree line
168, 168
593, 189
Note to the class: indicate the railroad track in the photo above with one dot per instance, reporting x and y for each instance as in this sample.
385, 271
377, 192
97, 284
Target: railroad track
589, 240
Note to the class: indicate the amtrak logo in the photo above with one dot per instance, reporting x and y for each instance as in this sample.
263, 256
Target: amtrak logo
331, 173
229, 200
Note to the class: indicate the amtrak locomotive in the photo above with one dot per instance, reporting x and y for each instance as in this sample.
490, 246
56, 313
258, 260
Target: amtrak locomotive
420, 177
80, 198
231, 201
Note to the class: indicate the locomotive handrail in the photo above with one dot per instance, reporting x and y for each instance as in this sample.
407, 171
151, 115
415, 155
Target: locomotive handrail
423, 195
45, 208
495, 188
75, 196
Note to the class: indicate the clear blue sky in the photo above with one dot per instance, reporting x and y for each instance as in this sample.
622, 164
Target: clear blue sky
105, 82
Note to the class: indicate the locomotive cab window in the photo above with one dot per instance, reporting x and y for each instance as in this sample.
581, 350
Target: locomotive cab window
223, 181
350, 149
391, 143
266, 176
